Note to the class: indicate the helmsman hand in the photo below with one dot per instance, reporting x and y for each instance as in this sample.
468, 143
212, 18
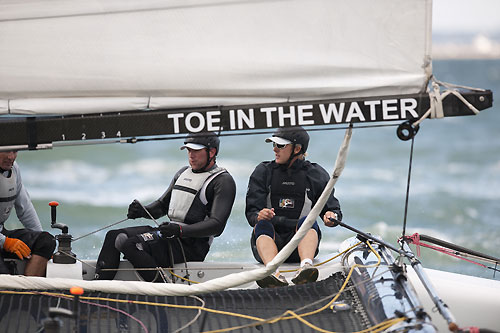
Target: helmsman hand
330, 219
135, 210
170, 230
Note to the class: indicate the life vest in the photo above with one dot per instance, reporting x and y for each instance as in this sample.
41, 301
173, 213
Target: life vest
8, 194
288, 194
185, 189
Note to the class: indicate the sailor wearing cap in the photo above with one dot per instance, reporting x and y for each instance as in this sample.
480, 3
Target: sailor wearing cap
280, 194
198, 203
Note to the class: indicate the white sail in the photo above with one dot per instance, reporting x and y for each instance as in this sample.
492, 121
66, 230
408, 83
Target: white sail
98, 56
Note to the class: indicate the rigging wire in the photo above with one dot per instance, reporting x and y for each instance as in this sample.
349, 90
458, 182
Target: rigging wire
162, 138
408, 186
100, 229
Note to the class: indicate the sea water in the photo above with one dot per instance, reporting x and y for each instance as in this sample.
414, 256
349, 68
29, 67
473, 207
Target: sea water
454, 185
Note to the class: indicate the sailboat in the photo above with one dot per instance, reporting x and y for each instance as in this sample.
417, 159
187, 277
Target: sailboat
104, 72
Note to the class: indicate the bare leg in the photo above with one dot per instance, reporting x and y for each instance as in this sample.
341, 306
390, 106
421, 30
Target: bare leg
308, 244
267, 248
267, 251
307, 248
36, 266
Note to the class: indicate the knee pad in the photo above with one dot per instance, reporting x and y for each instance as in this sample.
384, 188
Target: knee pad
315, 225
264, 227
44, 245
112, 234
120, 240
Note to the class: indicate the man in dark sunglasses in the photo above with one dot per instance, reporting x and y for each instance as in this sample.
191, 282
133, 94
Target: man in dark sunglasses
280, 194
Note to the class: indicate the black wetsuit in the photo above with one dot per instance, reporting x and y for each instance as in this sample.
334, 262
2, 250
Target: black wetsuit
287, 198
201, 224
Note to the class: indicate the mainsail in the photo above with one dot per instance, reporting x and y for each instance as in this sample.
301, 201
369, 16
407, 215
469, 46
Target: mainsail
221, 65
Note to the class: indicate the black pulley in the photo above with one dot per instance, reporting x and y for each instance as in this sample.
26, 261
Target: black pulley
407, 131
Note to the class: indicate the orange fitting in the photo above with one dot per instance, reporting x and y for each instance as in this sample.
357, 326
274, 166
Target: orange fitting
76, 291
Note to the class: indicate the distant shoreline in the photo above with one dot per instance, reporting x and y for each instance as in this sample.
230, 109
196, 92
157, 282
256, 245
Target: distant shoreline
477, 47
440, 52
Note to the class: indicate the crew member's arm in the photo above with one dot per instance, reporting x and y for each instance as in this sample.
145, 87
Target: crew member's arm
220, 193
25, 210
319, 179
256, 197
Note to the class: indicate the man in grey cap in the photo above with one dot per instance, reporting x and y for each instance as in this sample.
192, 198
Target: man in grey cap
198, 203
280, 195
29, 243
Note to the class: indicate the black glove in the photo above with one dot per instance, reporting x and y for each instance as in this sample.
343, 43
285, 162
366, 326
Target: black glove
135, 210
170, 230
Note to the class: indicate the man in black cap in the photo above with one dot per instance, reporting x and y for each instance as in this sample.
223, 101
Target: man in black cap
280, 195
198, 203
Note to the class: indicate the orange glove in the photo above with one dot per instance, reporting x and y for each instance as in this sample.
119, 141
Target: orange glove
16, 246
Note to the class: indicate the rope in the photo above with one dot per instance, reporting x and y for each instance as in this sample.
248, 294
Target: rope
105, 227
81, 300
408, 185
292, 314
436, 99
147, 211
258, 321
415, 239
195, 318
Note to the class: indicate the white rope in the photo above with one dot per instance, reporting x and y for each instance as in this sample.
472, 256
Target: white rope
168, 289
452, 85
436, 99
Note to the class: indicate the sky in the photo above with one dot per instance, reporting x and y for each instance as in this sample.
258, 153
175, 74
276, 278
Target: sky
466, 16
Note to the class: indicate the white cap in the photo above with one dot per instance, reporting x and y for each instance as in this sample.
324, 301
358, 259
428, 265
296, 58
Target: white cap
278, 140
195, 146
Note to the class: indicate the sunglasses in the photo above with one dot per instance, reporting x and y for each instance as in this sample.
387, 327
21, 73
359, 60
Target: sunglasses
279, 146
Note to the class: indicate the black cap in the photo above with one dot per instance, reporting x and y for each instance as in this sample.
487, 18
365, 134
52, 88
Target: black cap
287, 135
203, 140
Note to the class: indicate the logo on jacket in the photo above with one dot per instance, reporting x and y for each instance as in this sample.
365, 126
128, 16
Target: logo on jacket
147, 236
287, 203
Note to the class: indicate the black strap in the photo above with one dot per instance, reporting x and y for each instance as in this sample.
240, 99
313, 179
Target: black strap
31, 133
185, 189
12, 198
